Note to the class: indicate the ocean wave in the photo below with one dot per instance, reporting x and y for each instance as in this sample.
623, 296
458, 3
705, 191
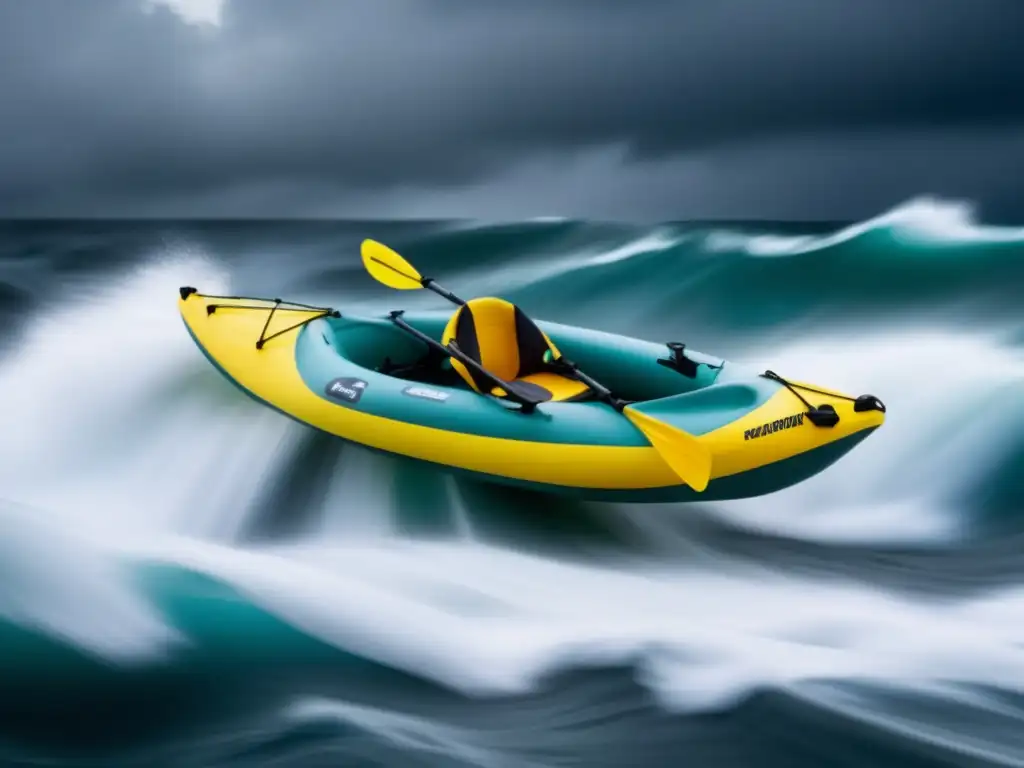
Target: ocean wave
157, 525
924, 221
54, 584
924, 262
700, 640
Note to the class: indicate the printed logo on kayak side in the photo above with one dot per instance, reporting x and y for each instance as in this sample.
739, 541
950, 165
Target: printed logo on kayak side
345, 389
426, 393
774, 426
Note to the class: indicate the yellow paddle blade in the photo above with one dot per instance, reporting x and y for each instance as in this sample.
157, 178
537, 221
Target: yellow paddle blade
687, 457
389, 268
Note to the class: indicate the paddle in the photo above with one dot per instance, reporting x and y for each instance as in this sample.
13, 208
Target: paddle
681, 451
392, 270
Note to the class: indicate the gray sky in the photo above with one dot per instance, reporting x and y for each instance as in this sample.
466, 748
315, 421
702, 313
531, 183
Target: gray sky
627, 109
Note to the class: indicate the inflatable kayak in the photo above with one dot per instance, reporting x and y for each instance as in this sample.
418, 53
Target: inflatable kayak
486, 390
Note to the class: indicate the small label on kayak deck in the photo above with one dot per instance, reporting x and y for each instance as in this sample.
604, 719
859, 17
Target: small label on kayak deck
345, 389
426, 393
774, 426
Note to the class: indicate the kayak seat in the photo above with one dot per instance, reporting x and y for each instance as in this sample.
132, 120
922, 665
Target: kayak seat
499, 336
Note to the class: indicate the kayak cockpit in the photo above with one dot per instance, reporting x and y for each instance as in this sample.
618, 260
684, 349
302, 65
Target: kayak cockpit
633, 369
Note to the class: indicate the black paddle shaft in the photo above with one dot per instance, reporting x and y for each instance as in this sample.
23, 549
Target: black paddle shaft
429, 284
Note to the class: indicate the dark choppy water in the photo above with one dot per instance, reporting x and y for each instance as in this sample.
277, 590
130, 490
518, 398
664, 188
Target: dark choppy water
189, 579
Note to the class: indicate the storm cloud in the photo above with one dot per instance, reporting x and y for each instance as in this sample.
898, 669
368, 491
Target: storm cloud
646, 108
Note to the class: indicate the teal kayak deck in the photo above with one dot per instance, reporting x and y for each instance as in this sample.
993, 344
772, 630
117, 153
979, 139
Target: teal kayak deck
354, 349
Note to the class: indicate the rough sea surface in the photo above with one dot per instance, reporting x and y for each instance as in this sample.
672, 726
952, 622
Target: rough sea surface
188, 578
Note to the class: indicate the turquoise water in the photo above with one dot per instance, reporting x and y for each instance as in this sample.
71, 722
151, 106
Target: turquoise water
187, 578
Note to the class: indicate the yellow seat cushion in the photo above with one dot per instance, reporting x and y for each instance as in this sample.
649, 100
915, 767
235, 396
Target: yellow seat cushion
499, 336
